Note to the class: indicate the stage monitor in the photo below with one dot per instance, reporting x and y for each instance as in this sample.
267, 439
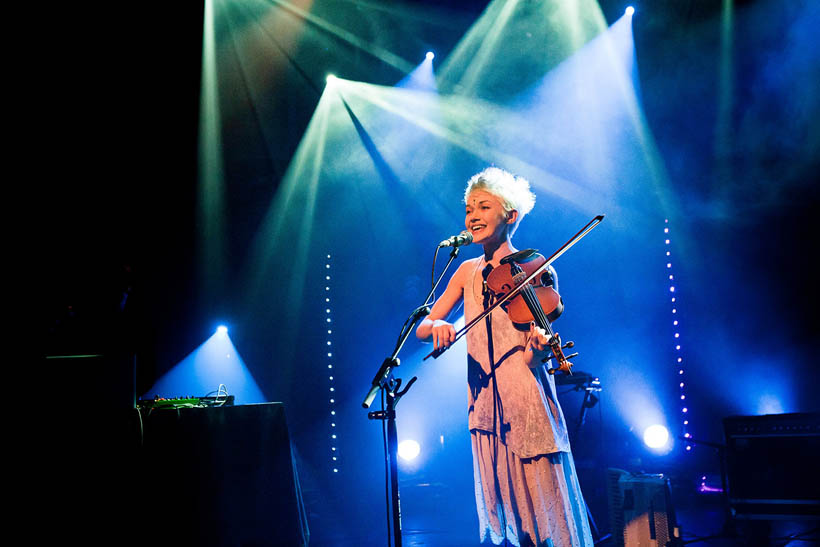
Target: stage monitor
640, 510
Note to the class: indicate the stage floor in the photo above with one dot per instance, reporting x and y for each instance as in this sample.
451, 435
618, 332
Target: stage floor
701, 520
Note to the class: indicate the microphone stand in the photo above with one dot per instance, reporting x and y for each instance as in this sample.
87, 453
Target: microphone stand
728, 531
389, 385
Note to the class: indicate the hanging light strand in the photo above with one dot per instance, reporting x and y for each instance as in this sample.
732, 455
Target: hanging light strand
334, 449
674, 300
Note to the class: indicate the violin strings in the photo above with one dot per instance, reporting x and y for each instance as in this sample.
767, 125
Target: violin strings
529, 296
531, 299
534, 305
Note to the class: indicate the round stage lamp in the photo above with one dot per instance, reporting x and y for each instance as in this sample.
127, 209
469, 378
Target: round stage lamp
409, 449
656, 436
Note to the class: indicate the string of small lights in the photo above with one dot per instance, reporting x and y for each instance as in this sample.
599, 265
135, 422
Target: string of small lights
684, 406
334, 452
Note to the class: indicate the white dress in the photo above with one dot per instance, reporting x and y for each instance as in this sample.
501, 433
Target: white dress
525, 483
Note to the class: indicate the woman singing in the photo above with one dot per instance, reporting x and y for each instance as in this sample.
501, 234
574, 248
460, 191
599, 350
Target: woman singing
526, 489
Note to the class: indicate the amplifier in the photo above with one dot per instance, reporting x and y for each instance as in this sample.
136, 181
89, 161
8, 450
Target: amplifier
771, 466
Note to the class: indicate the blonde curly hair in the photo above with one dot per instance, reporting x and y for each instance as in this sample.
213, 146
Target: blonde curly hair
513, 191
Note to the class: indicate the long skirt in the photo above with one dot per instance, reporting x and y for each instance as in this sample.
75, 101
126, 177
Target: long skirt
529, 502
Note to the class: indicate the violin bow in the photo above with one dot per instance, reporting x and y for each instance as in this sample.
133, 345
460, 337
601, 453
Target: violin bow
561, 250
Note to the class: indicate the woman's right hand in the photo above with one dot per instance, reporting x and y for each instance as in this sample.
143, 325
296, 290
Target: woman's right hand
443, 333
434, 326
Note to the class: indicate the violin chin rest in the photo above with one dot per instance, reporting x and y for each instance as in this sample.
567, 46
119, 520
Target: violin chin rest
518, 256
556, 313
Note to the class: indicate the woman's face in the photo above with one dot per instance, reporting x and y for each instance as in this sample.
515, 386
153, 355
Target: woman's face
486, 218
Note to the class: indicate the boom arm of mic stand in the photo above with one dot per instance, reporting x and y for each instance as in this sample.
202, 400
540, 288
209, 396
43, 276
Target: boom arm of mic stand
382, 377
384, 374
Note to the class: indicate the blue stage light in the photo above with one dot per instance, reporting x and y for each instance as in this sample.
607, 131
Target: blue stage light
430, 55
656, 436
216, 362
409, 449
629, 10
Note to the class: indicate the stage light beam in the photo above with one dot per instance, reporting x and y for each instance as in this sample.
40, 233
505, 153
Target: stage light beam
211, 186
629, 10
214, 363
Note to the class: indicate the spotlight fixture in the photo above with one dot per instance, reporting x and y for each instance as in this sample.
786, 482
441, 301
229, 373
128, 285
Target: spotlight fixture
222, 329
330, 78
430, 55
629, 10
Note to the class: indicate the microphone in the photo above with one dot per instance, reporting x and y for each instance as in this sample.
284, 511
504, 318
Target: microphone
464, 238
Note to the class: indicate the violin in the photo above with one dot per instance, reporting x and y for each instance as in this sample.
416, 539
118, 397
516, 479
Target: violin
536, 299
531, 299
539, 301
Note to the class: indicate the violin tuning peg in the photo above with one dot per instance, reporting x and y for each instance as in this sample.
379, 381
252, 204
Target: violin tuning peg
572, 355
569, 344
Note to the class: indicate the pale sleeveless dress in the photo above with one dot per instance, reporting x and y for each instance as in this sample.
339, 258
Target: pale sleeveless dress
525, 478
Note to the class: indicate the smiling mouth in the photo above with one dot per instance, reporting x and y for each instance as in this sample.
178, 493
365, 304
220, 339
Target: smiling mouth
477, 227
